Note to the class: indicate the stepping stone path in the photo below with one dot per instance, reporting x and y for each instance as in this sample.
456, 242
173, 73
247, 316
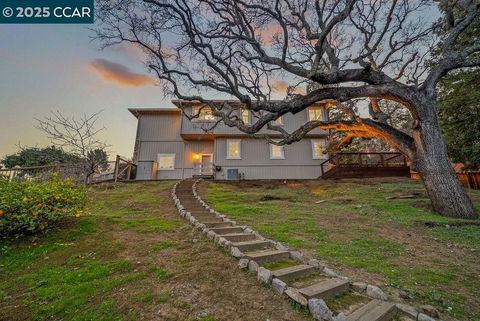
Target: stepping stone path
299, 279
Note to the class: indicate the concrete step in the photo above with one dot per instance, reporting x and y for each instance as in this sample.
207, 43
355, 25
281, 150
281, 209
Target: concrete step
239, 237
325, 289
252, 245
217, 224
375, 310
203, 215
227, 230
293, 272
268, 256
199, 213
210, 219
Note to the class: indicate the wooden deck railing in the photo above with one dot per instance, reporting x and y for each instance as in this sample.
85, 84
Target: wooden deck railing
203, 169
381, 160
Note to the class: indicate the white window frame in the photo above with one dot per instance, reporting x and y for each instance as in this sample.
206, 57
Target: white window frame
282, 149
239, 142
322, 115
322, 143
196, 110
166, 155
243, 116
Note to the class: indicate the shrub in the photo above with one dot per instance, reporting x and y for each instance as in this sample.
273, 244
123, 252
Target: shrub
27, 207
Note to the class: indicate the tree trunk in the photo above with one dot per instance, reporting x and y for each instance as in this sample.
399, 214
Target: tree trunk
448, 196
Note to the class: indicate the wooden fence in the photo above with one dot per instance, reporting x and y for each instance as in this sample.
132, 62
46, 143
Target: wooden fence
82, 173
468, 179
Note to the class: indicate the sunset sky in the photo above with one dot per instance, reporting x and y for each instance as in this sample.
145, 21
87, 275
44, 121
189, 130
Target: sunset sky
58, 67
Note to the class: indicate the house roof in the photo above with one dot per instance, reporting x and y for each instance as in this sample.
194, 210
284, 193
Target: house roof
145, 111
179, 102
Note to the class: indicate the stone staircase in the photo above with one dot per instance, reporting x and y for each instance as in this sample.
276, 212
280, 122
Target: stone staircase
304, 281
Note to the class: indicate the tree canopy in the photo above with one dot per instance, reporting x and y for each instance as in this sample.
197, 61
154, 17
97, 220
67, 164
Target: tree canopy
38, 156
459, 108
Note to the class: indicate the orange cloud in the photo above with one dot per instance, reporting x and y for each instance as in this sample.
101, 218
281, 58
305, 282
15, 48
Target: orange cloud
269, 32
118, 74
281, 87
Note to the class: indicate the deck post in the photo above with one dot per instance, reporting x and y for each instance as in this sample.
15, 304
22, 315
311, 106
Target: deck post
129, 170
117, 167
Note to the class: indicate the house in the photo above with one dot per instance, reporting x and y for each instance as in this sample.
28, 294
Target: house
169, 145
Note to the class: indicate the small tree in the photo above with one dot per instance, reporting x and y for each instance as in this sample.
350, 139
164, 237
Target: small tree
79, 136
352, 49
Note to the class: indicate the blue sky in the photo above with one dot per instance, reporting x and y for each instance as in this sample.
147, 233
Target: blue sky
58, 67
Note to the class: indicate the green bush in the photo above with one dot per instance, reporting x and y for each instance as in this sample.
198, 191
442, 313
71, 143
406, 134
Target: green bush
27, 207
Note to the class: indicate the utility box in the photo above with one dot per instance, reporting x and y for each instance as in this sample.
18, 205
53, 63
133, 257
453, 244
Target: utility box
232, 174
146, 170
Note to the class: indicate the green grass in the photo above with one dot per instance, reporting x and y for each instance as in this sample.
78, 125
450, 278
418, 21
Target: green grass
372, 254
359, 228
70, 273
464, 235
160, 273
162, 245
70, 287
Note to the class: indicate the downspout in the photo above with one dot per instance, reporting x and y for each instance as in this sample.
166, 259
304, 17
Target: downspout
183, 142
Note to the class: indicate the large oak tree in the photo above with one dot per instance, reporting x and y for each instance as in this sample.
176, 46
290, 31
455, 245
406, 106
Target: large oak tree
354, 50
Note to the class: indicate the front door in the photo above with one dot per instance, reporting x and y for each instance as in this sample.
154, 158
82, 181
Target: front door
207, 164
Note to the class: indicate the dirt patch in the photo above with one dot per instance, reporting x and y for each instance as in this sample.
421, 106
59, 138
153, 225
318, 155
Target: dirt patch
267, 198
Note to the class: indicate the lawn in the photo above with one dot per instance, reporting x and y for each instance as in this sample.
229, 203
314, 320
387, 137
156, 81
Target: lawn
129, 257
356, 228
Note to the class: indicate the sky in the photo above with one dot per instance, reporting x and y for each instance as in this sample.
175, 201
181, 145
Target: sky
46, 68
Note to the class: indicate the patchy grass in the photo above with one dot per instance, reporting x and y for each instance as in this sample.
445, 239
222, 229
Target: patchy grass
361, 233
162, 245
148, 224
130, 257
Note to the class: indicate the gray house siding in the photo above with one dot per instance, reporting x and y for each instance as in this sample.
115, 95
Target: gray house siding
291, 122
170, 132
255, 162
159, 134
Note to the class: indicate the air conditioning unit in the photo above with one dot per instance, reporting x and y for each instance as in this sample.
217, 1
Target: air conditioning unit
232, 174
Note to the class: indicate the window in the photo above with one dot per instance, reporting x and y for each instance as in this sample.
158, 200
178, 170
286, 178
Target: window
277, 152
204, 114
315, 113
234, 149
166, 162
245, 115
278, 121
317, 148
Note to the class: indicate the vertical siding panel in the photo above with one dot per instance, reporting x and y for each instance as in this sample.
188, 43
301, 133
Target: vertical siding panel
256, 162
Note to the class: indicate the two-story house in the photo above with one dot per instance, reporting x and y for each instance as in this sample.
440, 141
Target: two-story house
169, 145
